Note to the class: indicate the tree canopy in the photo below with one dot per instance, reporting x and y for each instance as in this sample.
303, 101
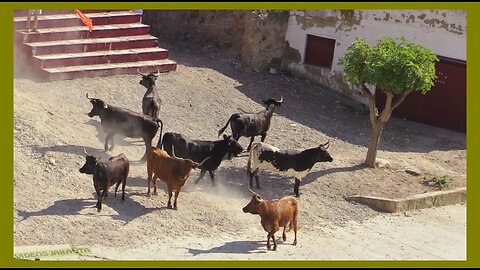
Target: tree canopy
393, 65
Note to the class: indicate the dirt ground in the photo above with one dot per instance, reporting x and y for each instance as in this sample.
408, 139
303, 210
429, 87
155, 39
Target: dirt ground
54, 203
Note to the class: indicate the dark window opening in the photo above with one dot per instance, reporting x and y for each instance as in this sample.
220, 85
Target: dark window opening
319, 51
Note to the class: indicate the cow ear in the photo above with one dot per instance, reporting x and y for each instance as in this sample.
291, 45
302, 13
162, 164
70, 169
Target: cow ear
258, 198
225, 136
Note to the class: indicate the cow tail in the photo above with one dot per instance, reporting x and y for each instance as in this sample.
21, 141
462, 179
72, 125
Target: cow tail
223, 129
159, 144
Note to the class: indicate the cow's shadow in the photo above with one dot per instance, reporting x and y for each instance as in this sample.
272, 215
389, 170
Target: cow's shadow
127, 211
234, 247
79, 151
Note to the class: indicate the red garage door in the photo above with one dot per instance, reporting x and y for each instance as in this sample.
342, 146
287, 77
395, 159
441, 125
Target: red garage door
444, 105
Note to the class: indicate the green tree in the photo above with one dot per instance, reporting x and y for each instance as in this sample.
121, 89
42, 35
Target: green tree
395, 66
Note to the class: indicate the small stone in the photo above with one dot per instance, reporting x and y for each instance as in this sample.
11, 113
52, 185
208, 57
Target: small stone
412, 172
381, 163
51, 161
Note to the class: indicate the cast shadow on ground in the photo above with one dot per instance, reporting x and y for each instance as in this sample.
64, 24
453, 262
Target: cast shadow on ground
234, 247
128, 211
79, 151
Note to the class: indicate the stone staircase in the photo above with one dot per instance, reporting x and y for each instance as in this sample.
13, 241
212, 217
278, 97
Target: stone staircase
63, 48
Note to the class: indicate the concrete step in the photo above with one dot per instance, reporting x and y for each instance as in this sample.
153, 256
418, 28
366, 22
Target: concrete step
68, 20
100, 57
92, 44
72, 72
81, 32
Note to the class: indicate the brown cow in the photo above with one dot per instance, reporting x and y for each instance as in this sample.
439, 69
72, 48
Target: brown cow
275, 214
172, 170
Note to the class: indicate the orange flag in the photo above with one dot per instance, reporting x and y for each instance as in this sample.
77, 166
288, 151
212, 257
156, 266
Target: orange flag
86, 20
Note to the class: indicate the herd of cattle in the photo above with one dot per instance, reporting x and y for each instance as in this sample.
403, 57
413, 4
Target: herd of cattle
176, 156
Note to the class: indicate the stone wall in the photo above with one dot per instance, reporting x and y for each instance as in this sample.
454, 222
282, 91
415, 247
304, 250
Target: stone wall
258, 35
221, 28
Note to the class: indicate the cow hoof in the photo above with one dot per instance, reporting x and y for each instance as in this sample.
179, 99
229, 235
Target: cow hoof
274, 248
294, 243
169, 206
99, 210
284, 238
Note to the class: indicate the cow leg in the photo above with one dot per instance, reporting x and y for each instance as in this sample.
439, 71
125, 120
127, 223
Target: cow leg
100, 199
148, 146
284, 235
175, 202
296, 187
274, 242
111, 140
212, 176
169, 204
116, 187
202, 174
106, 141
268, 241
124, 182
154, 181
263, 137
251, 141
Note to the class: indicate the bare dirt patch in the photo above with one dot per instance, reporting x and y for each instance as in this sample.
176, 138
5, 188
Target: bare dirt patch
54, 203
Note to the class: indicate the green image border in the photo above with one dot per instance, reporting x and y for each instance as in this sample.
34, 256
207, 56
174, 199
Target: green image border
7, 161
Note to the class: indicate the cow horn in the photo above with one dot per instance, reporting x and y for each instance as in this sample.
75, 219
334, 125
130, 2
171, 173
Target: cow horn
325, 145
85, 151
138, 71
251, 191
281, 99
89, 97
173, 151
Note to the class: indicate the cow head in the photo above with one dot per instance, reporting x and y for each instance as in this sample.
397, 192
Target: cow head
148, 80
233, 147
273, 101
90, 162
322, 154
253, 207
98, 106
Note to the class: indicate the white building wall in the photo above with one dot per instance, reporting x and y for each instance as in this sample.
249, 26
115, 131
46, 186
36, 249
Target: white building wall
442, 31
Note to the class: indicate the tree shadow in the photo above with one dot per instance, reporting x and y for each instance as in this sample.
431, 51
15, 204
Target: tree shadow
126, 212
234, 247
327, 111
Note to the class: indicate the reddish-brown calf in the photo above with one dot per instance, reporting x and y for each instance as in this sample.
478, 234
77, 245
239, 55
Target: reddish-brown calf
275, 214
172, 170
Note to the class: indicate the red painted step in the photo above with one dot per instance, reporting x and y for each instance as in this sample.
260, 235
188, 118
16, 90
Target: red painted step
81, 32
100, 57
67, 73
67, 20
93, 44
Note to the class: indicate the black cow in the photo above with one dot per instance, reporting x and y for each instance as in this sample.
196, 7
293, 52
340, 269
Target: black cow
128, 123
106, 174
252, 124
151, 101
287, 162
198, 151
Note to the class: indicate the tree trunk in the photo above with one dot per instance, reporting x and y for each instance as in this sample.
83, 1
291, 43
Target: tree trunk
373, 144
378, 121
